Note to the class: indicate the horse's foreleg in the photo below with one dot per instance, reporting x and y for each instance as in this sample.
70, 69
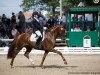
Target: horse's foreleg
26, 54
58, 52
45, 54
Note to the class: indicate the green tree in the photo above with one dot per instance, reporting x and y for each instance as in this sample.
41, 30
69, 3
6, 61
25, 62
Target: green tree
52, 4
29, 4
67, 4
73, 3
92, 2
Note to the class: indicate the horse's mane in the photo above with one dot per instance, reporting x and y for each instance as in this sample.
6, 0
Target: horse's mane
52, 29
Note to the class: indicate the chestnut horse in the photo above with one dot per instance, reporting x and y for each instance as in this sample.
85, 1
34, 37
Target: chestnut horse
48, 44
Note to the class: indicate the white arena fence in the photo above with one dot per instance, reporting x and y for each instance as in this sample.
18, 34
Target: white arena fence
64, 50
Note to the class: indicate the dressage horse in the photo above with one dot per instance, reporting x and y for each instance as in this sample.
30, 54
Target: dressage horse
48, 44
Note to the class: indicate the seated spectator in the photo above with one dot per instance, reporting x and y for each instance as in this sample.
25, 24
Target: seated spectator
77, 28
89, 24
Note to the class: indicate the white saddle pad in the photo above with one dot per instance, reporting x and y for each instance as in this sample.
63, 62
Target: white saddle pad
33, 37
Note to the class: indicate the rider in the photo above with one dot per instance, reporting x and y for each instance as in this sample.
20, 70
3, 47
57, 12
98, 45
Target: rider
37, 28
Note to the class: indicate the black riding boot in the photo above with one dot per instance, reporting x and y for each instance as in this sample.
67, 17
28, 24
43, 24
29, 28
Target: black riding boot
38, 46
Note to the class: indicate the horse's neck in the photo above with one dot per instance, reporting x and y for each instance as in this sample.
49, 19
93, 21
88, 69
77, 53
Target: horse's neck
51, 36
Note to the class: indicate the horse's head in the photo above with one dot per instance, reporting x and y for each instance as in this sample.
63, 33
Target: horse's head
59, 30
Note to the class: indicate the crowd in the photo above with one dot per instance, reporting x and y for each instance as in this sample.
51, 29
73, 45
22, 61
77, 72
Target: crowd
9, 27
84, 22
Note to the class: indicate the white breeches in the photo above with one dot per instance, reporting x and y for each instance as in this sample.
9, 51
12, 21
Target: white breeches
38, 33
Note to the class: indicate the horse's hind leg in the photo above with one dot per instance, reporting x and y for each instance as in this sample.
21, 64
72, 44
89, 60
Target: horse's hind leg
58, 52
45, 54
12, 62
26, 54
15, 53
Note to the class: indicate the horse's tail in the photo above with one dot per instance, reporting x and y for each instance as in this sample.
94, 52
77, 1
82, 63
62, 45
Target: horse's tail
11, 49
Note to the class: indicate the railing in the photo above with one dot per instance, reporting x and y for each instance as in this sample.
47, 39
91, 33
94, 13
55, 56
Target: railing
6, 39
59, 42
63, 49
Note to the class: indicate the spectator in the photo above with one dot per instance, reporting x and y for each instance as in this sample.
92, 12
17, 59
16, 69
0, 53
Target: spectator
42, 19
21, 18
64, 20
4, 36
77, 28
4, 20
0, 20
99, 31
8, 23
74, 18
81, 18
13, 20
1, 27
89, 24
56, 20
49, 23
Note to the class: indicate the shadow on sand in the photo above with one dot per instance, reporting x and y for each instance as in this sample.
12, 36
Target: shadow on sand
47, 66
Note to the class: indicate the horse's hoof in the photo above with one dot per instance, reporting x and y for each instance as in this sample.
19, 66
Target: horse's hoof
65, 63
42, 66
32, 63
12, 66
